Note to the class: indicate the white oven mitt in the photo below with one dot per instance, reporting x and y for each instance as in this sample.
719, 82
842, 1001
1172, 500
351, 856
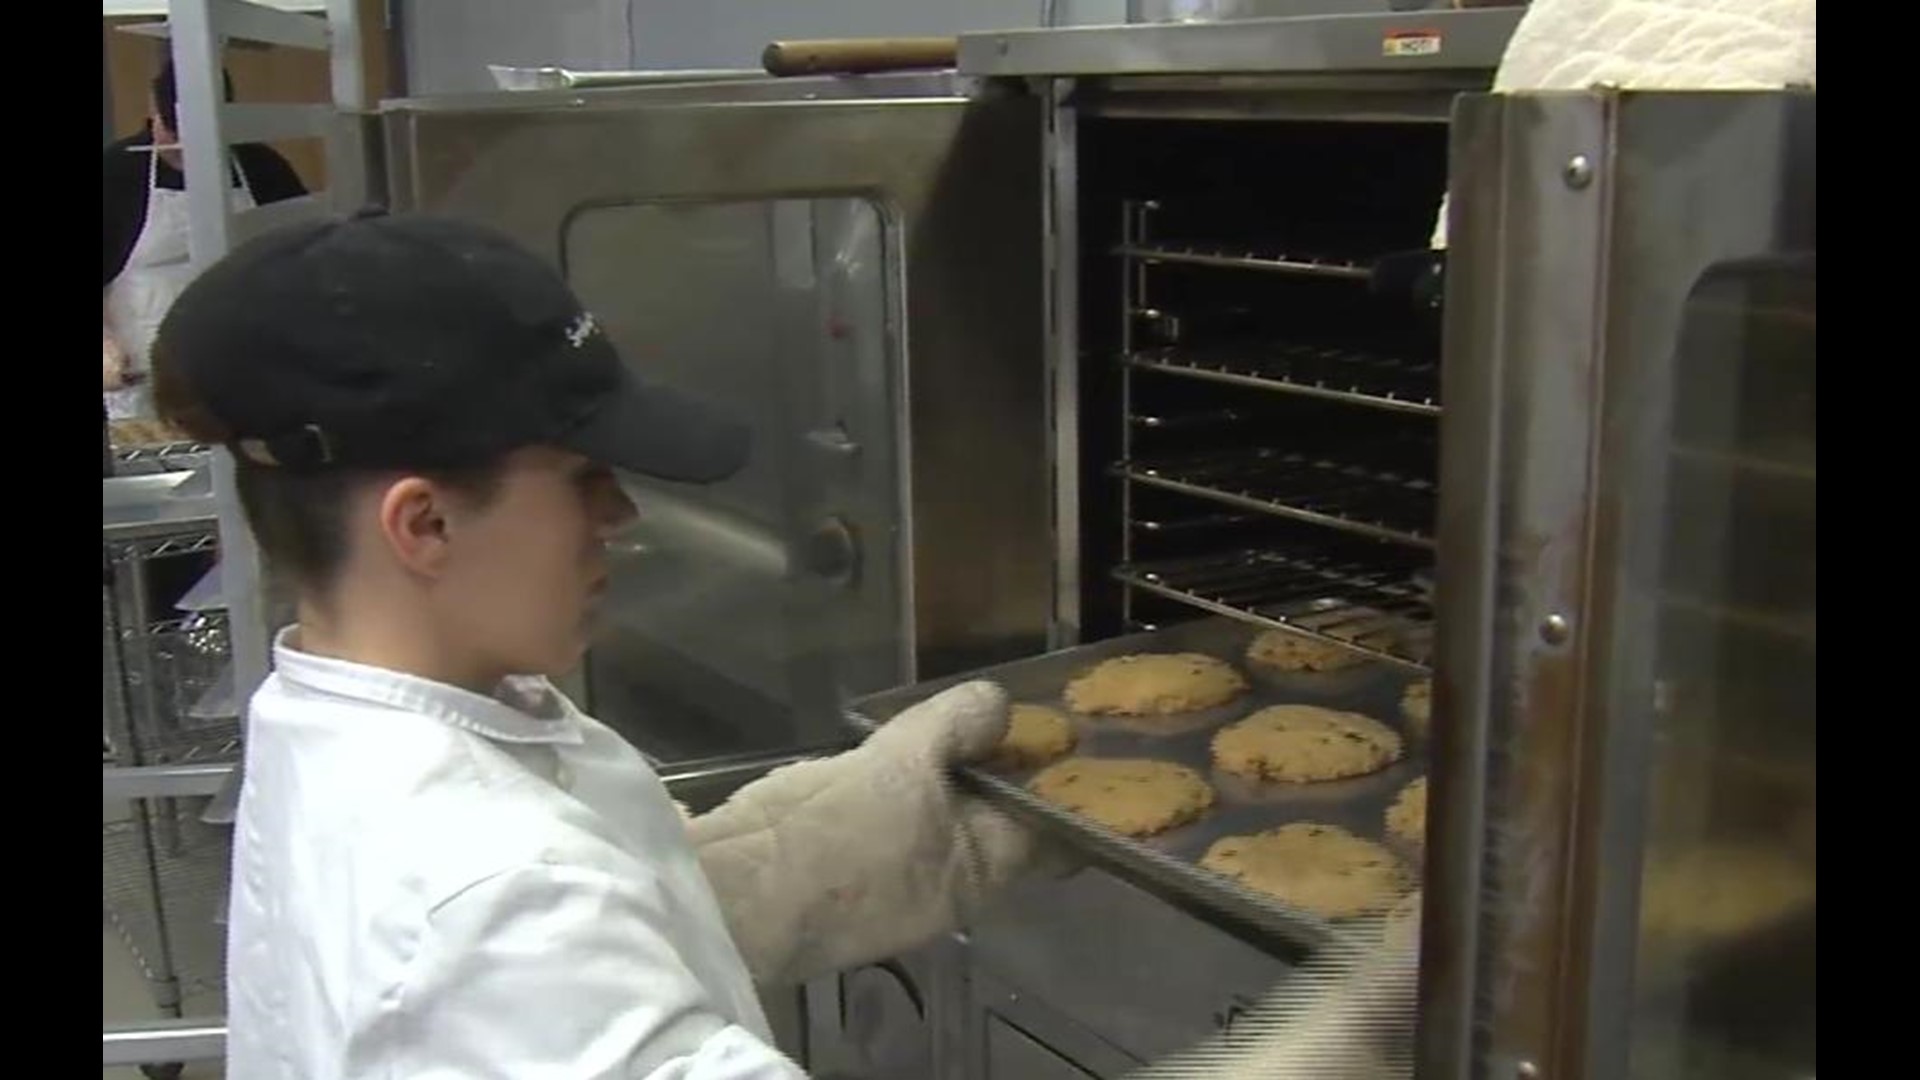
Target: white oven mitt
1353, 1023
1656, 45
823, 865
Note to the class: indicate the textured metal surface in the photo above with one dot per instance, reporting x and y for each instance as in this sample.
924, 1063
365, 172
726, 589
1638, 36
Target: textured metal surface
1167, 863
1089, 962
1435, 41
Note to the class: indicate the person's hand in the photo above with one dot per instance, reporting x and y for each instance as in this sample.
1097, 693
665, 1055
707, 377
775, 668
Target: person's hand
824, 865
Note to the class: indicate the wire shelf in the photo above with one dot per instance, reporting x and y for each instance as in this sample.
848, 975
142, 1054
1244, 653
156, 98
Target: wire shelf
187, 541
1374, 606
1347, 375
1360, 499
1236, 258
182, 707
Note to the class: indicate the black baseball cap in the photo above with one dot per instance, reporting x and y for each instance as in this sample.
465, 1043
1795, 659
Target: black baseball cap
412, 342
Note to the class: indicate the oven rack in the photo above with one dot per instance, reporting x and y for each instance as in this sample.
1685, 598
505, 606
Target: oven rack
1222, 257
1346, 595
1358, 499
1186, 524
1349, 602
1352, 376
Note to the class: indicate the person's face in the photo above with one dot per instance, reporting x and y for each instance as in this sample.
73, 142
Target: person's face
162, 134
514, 581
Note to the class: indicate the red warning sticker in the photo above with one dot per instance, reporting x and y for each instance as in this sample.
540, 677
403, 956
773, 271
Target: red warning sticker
1405, 43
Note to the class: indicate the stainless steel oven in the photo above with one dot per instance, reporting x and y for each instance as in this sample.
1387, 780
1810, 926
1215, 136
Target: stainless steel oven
1132, 326
854, 268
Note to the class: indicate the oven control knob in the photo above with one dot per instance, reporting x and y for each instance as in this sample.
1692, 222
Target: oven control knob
831, 551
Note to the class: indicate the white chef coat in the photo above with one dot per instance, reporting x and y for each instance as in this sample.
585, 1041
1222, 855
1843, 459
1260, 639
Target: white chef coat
158, 269
428, 882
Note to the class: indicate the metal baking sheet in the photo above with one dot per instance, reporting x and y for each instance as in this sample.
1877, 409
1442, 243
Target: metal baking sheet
1168, 863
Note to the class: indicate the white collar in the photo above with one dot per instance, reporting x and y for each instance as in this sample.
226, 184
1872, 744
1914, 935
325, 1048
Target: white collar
525, 709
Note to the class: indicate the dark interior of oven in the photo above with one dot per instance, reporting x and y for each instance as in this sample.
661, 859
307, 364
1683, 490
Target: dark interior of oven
1259, 411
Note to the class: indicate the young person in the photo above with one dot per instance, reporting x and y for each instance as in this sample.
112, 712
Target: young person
442, 868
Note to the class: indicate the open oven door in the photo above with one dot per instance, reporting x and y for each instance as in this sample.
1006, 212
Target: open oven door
801, 256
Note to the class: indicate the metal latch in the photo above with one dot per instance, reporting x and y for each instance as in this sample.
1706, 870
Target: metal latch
834, 440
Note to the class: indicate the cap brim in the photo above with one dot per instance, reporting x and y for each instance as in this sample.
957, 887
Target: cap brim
662, 433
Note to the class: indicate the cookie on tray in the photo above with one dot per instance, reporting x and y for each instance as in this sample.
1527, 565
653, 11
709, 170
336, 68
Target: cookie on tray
1035, 736
1323, 869
1282, 650
1416, 704
1407, 817
1133, 796
1155, 684
1305, 744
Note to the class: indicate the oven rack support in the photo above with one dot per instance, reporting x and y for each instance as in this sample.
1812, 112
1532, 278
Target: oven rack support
1232, 259
1381, 613
1301, 487
1345, 375
1372, 607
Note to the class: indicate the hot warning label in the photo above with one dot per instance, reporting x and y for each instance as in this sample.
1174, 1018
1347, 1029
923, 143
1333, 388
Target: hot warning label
1411, 43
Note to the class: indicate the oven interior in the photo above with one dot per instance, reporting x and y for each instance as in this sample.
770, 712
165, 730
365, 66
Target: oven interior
1259, 413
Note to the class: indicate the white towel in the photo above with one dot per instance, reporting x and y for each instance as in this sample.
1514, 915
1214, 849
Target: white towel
1656, 45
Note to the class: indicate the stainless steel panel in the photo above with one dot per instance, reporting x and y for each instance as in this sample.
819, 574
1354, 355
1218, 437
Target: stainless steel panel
1062, 325
1105, 972
1341, 97
1581, 223
890, 1020
1011, 1053
903, 86
862, 280
1420, 41
1202, 10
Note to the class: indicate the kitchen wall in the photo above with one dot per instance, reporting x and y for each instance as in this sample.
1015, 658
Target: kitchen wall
449, 43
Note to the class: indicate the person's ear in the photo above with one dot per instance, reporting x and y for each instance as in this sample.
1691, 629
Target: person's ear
413, 524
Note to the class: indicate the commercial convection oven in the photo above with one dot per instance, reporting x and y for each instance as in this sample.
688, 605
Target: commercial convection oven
1131, 332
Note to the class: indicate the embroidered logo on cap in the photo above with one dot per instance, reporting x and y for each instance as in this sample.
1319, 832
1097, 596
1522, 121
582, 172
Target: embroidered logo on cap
581, 329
